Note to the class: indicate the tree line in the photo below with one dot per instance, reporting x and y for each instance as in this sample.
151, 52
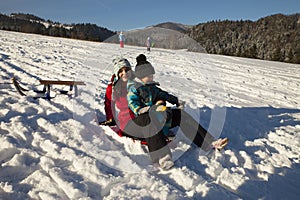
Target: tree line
276, 37
28, 23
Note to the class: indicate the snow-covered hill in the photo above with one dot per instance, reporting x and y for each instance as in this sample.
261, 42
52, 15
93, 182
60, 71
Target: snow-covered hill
54, 149
160, 38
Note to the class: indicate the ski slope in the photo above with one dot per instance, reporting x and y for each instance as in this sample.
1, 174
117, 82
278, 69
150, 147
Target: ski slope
55, 150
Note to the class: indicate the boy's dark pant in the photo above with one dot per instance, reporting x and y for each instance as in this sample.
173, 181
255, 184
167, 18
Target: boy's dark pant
148, 127
191, 128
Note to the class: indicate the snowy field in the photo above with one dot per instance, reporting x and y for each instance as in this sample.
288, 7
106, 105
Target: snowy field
55, 150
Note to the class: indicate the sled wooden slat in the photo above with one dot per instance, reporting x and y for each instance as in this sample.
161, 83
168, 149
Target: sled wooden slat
56, 82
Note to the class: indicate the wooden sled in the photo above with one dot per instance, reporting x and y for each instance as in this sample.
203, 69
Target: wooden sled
47, 85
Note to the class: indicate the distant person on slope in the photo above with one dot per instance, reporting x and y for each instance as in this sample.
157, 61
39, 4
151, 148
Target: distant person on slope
148, 44
121, 39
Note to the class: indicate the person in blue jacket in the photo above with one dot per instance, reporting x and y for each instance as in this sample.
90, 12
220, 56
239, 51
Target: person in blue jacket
121, 39
153, 119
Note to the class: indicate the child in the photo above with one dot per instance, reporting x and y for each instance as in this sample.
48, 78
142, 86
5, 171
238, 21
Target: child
153, 118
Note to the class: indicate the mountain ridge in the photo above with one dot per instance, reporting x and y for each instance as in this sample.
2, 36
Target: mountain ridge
275, 37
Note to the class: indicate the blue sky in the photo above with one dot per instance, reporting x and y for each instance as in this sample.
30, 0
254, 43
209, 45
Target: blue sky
125, 15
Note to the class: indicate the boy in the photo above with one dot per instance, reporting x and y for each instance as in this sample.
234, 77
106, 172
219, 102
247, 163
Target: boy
153, 118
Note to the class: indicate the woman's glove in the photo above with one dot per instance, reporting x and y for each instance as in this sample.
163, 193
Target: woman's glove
144, 110
110, 122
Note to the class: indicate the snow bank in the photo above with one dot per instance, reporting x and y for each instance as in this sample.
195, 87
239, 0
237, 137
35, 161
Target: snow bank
54, 149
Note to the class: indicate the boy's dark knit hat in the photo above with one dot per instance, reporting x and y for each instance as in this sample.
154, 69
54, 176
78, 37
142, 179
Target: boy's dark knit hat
140, 58
144, 68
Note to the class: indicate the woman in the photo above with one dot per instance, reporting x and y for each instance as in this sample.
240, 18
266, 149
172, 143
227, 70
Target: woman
122, 114
125, 119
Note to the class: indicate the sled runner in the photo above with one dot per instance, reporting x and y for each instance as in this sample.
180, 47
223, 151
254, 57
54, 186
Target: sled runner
19, 89
47, 85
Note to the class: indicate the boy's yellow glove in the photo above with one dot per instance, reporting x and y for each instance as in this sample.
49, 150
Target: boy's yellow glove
157, 108
161, 108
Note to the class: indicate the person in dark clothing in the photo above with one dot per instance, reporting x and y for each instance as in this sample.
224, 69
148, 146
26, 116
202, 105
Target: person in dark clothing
153, 119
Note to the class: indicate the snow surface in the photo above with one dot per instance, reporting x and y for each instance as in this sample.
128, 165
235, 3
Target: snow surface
54, 149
